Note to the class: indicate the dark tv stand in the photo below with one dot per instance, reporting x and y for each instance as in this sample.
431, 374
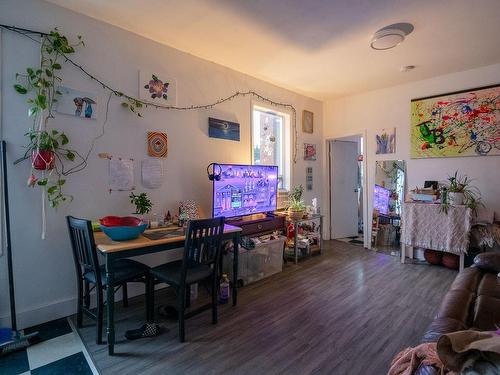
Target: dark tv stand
258, 225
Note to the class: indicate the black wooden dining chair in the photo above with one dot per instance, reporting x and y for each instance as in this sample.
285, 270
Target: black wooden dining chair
88, 271
202, 251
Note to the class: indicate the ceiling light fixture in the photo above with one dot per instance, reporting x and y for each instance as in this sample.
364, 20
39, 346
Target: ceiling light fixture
407, 68
390, 36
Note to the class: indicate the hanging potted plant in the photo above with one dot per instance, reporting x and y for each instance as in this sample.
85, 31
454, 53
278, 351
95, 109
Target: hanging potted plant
47, 148
44, 146
296, 207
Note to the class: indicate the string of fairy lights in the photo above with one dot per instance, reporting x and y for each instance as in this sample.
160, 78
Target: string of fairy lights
248, 93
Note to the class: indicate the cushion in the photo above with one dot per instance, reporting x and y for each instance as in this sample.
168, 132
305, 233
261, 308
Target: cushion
456, 305
489, 261
483, 215
125, 270
468, 279
170, 273
489, 286
440, 326
487, 313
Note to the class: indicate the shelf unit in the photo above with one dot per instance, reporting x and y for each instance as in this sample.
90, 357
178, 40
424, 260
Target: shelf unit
311, 232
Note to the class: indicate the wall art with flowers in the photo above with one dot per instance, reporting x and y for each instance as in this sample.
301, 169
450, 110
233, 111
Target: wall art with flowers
157, 88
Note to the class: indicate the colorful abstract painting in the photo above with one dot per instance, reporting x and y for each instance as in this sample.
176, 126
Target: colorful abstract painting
465, 123
386, 141
157, 88
76, 103
157, 144
223, 129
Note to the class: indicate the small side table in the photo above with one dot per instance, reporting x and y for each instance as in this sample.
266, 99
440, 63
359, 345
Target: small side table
296, 225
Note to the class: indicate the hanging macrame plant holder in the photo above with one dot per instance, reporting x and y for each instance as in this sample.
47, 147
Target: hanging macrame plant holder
43, 160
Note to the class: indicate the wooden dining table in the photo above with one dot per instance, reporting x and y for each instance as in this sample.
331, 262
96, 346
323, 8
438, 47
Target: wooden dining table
170, 238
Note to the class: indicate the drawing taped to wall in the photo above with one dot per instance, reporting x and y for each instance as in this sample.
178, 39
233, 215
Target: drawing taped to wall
76, 103
386, 141
157, 88
465, 123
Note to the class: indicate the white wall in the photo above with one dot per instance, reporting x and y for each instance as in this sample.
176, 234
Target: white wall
390, 107
44, 270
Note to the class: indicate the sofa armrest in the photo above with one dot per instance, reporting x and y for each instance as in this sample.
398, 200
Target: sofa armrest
489, 261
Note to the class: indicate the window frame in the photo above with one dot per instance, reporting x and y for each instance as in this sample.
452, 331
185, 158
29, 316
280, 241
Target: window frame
287, 141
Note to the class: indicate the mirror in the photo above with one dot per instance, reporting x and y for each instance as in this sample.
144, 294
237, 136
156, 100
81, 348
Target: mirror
388, 195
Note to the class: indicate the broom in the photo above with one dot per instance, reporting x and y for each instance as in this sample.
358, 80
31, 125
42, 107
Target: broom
11, 339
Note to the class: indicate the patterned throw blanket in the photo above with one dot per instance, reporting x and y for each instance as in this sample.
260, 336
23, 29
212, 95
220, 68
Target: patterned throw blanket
424, 225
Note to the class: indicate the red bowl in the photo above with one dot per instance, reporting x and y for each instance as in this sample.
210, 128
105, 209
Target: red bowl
120, 221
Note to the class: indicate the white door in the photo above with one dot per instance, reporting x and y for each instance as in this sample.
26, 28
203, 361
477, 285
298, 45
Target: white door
344, 189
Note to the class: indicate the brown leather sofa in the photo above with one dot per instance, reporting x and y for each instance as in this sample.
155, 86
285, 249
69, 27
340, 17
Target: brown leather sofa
472, 302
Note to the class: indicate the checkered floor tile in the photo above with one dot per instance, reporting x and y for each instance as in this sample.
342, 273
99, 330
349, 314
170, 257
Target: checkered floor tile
59, 352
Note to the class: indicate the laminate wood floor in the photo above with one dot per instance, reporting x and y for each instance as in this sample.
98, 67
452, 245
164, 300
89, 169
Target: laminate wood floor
348, 311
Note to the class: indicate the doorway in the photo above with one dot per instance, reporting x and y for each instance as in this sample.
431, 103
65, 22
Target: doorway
347, 190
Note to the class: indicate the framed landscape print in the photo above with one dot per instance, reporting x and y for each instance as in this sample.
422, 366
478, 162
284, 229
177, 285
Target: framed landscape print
464, 123
307, 121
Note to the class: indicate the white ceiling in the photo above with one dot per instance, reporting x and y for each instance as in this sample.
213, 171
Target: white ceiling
316, 47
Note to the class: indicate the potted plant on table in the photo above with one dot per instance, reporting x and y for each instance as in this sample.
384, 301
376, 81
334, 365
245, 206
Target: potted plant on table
142, 204
297, 207
460, 191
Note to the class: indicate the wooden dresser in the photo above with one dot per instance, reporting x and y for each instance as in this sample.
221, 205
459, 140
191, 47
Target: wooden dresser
259, 225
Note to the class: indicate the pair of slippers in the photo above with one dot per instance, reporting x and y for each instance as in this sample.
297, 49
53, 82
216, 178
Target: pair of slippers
153, 329
147, 330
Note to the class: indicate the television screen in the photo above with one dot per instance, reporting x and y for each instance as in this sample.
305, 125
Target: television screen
381, 199
245, 190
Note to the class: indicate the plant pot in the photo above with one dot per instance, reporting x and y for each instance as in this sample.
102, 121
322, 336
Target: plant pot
296, 215
43, 160
456, 199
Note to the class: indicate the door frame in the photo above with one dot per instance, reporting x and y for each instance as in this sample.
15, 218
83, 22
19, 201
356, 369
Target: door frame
364, 184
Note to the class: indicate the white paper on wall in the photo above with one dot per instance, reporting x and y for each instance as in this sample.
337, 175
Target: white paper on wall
121, 174
152, 173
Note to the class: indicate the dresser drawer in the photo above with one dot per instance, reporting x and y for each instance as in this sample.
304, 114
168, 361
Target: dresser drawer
264, 225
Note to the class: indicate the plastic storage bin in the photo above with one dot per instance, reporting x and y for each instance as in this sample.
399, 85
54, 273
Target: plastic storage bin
264, 260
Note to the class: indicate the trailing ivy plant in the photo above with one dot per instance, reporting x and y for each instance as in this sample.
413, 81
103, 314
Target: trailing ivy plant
40, 84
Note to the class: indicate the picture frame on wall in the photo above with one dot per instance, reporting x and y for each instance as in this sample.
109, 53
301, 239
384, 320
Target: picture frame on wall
307, 121
77, 103
223, 129
157, 88
309, 151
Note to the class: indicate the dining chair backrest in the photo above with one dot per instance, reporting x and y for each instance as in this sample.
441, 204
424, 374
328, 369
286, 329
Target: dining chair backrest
83, 245
203, 242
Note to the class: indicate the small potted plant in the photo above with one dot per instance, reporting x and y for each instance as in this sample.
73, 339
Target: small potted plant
296, 207
142, 204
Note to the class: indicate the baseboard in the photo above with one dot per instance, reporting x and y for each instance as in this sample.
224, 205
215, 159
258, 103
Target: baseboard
60, 309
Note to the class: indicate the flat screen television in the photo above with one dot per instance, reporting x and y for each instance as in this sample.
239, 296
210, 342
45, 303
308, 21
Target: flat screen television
381, 199
245, 190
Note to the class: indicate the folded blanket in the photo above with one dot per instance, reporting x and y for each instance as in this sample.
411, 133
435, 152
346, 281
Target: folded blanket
470, 351
408, 361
